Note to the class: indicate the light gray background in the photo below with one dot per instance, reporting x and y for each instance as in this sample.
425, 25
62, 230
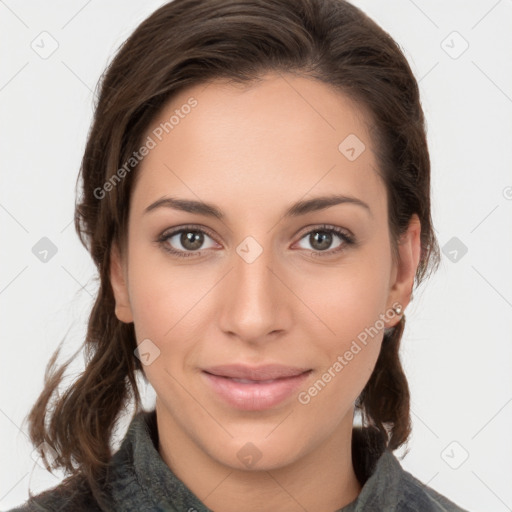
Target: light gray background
457, 346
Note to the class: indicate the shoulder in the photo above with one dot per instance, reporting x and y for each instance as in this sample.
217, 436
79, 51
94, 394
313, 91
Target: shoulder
386, 485
116, 489
73, 495
415, 496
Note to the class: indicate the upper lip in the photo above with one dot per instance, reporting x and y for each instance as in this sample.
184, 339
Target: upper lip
263, 372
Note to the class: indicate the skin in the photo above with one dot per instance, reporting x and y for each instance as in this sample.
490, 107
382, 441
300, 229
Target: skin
253, 150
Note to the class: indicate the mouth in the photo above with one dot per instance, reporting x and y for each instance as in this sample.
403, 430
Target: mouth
254, 388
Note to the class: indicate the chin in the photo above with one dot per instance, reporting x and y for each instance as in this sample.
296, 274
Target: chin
259, 453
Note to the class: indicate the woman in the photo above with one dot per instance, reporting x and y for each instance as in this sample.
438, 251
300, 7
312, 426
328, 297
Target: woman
256, 197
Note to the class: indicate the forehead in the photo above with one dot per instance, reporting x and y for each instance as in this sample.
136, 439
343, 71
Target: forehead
280, 138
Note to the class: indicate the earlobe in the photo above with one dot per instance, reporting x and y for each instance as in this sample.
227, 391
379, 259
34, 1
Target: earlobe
409, 250
123, 309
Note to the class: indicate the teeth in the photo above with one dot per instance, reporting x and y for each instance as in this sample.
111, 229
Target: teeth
247, 381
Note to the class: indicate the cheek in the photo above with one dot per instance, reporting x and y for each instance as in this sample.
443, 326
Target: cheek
347, 328
160, 293
161, 313
349, 352
346, 301
160, 299
170, 304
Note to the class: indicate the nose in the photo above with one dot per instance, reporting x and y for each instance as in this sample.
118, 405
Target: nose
254, 302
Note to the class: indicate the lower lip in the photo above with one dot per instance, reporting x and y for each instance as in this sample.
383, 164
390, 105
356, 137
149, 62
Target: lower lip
255, 396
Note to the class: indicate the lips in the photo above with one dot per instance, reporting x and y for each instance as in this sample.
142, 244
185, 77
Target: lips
254, 388
255, 373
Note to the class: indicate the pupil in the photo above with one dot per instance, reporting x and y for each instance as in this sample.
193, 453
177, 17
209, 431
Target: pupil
324, 238
192, 240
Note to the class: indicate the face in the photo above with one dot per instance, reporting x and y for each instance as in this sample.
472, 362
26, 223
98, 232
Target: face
261, 323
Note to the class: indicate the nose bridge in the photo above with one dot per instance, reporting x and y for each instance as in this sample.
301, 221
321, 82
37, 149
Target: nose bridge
253, 303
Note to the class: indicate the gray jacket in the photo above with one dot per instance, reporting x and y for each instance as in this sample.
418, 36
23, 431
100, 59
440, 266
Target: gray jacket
139, 480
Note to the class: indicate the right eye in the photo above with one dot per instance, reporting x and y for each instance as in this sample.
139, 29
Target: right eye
191, 239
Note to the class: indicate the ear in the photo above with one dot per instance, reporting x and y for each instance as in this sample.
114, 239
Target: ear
409, 250
118, 281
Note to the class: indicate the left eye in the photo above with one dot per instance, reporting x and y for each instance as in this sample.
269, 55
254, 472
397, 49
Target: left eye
322, 239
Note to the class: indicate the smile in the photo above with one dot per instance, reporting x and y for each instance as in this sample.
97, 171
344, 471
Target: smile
257, 388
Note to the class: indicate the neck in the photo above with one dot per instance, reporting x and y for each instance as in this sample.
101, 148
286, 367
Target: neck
323, 480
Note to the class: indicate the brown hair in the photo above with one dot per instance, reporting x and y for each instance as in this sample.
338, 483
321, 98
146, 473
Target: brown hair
188, 42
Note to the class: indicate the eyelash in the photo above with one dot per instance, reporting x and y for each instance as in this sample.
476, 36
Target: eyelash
346, 238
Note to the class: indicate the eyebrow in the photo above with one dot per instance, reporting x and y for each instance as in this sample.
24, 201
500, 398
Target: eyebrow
297, 209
